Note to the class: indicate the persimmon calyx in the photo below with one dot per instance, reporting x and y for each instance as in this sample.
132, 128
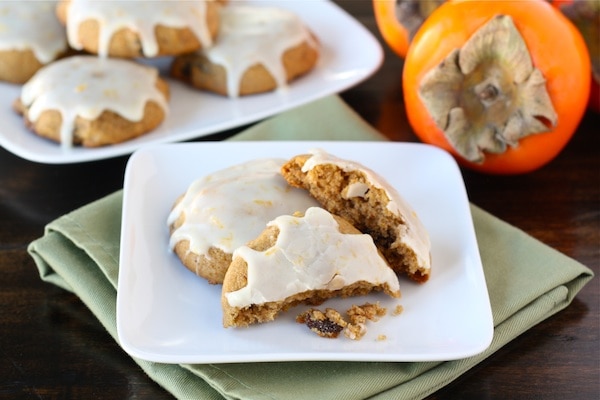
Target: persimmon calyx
487, 95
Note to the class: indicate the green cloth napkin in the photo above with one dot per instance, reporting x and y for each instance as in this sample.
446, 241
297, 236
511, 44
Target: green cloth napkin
527, 282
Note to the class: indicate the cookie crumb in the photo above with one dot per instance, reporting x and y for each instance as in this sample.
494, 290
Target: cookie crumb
327, 325
330, 323
368, 311
355, 331
398, 310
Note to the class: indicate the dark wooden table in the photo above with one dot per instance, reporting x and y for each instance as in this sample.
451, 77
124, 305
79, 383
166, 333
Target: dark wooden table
52, 347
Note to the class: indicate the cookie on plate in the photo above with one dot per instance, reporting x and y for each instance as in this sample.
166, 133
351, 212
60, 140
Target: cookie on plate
139, 28
364, 198
302, 259
258, 49
30, 37
91, 101
223, 210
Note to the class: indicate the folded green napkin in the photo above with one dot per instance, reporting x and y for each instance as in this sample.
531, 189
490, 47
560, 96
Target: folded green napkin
527, 282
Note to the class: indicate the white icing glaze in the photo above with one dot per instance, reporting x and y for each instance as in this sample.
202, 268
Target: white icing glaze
310, 254
85, 86
228, 208
251, 35
32, 25
412, 233
139, 16
356, 189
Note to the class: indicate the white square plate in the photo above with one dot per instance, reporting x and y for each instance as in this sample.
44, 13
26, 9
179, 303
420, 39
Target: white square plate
165, 313
349, 54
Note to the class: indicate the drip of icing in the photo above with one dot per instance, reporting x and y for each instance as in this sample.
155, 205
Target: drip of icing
228, 208
139, 16
32, 25
85, 86
255, 35
412, 233
310, 253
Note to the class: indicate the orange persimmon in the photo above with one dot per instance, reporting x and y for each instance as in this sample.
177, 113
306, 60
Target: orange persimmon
398, 20
585, 15
594, 102
501, 85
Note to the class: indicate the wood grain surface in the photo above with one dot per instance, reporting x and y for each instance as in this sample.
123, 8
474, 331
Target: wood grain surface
52, 347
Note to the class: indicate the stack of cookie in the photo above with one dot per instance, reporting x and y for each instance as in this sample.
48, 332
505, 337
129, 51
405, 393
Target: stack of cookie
85, 84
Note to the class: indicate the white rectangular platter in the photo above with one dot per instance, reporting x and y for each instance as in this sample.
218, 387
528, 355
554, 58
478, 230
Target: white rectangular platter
349, 55
165, 313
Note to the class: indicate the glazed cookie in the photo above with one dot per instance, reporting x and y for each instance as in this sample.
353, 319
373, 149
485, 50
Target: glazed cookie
258, 49
355, 192
302, 259
93, 101
225, 209
30, 37
139, 28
